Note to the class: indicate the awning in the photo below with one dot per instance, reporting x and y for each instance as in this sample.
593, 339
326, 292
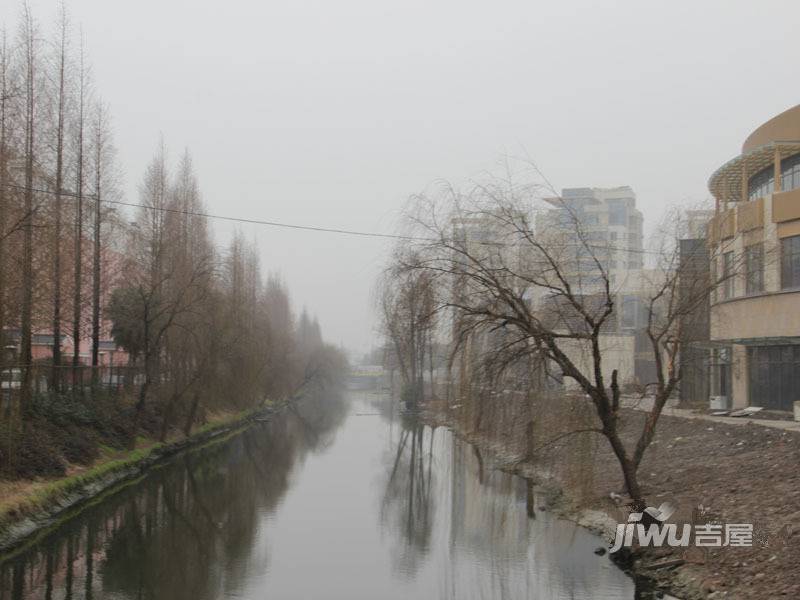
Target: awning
726, 182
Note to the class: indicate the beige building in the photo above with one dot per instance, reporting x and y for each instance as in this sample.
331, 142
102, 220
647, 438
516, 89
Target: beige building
754, 239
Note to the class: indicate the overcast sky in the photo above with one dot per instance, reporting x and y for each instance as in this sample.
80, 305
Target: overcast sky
332, 113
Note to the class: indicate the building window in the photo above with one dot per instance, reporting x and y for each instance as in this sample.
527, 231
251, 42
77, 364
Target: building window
754, 268
617, 215
727, 275
589, 220
714, 287
763, 183
790, 262
634, 312
790, 173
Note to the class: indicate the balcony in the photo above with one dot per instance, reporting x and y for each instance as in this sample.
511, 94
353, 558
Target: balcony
786, 206
722, 225
750, 215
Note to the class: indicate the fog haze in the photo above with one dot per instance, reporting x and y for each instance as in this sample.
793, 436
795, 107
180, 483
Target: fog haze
332, 113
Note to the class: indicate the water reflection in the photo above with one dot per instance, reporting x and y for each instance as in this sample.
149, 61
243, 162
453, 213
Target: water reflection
184, 532
475, 529
407, 504
316, 505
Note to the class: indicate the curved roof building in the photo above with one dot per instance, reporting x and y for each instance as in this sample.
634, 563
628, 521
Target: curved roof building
754, 239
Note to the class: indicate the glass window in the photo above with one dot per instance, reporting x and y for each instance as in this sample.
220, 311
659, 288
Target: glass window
754, 268
790, 173
617, 215
714, 280
632, 312
761, 184
727, 275
590, 220
790, 262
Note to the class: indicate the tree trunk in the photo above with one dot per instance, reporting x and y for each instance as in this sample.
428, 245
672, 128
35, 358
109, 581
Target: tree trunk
26, 314
187, 428
629, 471
56, 372
96, 281
78, 272
145, 388
167, 417
3, 189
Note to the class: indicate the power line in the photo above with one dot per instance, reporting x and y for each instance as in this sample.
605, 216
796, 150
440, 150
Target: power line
227, 218
282, 225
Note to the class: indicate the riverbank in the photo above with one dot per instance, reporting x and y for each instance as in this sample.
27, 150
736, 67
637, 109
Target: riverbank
30, 508
737, 474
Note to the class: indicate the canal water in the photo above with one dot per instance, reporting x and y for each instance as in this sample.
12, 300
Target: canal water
335, 499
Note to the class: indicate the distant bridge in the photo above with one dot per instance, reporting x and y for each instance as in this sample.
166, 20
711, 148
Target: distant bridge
366, 377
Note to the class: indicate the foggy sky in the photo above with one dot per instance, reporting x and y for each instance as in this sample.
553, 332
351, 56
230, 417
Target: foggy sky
331, 113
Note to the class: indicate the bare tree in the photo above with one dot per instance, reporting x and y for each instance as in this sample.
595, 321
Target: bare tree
527, 290
61, 101
103, 152
29, 34
77, 298
407, 303
5, 98
279, 375
191, 258
170, 265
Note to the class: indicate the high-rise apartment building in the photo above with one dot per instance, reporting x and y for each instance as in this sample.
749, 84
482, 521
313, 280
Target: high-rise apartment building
612, 229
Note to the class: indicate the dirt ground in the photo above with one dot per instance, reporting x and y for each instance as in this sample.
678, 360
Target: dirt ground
728, 474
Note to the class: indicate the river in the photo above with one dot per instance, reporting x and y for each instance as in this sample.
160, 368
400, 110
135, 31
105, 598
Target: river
334, 499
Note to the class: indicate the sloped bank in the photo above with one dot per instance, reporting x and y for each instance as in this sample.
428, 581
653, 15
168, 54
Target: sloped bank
26, 521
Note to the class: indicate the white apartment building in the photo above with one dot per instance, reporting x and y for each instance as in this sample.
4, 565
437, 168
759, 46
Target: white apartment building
612, 224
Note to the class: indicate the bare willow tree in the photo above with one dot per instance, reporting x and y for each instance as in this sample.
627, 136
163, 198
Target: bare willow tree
545, 294
407, 298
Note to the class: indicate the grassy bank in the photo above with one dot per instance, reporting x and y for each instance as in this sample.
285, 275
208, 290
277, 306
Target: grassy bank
28, 506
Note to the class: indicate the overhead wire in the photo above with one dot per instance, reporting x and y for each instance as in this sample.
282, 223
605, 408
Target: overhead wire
295, 226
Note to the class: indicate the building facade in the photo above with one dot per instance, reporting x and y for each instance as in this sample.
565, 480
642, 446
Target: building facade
612, 224
754, 242
603, 226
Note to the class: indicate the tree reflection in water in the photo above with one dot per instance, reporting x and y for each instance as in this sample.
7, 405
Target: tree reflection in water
218, 522
187, 530
473, 530
407, 503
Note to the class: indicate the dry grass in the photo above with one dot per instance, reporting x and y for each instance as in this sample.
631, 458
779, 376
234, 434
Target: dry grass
22, 498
